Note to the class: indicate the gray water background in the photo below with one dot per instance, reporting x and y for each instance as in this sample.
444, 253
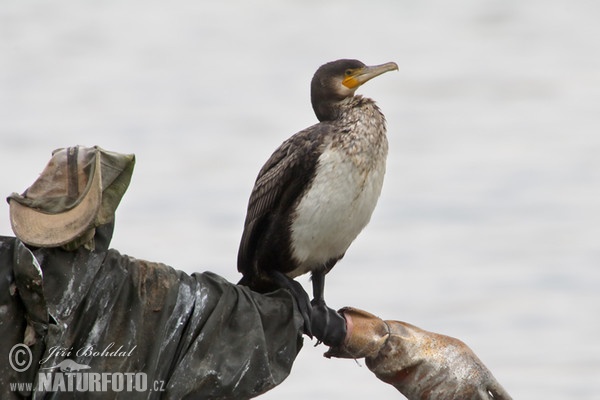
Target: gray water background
488, 226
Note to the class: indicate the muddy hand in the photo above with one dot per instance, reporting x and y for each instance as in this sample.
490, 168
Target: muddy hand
420, 364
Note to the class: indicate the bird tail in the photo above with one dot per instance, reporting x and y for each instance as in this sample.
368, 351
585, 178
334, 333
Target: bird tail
245, 281
260, 284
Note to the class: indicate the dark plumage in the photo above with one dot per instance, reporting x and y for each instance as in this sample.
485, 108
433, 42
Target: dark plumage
318, 189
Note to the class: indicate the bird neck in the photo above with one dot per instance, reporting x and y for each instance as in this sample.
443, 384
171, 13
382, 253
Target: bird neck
335, 109
361, 132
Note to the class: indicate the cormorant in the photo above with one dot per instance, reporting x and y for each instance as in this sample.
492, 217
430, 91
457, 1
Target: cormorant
316, 193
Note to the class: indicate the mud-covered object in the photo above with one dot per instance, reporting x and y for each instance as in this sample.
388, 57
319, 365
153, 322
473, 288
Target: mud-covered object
200, 336
422, 365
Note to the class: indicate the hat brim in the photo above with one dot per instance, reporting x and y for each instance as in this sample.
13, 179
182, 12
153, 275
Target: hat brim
40, 229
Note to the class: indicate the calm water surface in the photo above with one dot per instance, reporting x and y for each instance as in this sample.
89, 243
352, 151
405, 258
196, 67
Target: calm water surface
489, 222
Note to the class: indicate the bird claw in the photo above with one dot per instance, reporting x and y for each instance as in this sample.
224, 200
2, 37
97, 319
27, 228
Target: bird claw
328, 326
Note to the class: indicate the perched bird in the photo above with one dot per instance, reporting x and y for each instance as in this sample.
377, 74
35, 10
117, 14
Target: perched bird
316, 193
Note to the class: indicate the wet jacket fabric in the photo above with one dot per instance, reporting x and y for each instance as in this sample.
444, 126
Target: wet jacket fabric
189, 337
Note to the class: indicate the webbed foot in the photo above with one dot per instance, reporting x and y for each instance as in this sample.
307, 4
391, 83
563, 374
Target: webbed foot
328, 326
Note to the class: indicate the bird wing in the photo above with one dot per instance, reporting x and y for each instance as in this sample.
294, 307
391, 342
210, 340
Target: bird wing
279, 183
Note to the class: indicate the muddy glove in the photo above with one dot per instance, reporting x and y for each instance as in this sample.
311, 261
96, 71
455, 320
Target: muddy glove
420, 364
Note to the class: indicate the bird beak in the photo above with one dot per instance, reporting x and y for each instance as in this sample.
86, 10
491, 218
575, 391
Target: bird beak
365, 74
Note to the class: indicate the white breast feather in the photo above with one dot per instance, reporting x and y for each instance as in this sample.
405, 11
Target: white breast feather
337, 207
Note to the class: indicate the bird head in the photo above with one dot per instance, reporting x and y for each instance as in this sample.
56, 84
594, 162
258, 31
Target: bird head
337, 80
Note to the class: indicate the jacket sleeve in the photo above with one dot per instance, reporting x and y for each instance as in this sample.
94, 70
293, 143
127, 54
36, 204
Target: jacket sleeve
196, 336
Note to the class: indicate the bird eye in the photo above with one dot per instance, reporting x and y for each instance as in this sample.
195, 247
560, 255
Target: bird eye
348, 72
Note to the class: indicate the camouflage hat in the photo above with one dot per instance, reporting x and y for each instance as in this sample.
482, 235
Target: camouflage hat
79, 189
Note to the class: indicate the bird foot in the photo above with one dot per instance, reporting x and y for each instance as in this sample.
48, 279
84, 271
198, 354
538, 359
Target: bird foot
328, 326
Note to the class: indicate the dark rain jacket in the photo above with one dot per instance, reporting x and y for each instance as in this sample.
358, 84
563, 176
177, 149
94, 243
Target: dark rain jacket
188, 337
